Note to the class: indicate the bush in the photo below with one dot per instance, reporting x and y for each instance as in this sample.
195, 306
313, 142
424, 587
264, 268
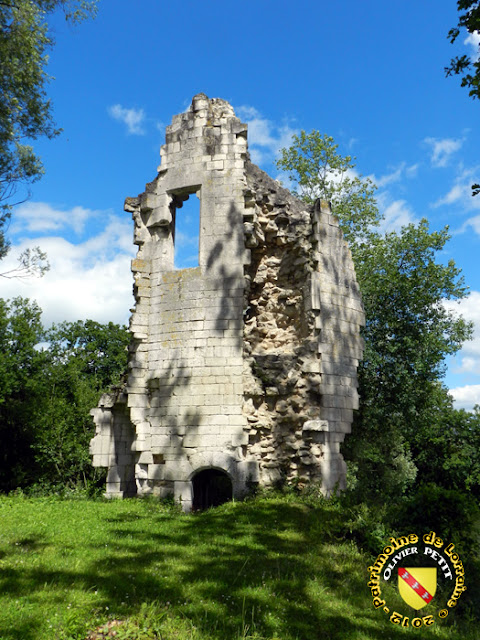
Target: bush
451, 513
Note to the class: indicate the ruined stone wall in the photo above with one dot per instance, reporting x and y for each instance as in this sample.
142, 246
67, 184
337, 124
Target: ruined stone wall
246, 363
302, 344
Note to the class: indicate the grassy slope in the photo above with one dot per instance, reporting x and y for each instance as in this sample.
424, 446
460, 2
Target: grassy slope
266, 568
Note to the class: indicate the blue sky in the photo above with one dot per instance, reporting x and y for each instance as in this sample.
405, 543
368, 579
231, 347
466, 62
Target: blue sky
370, 74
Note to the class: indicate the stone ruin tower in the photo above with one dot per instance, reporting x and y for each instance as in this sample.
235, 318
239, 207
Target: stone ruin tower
243, 370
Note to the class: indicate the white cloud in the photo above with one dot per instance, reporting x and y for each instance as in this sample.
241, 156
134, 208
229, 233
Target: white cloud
461, 191
388, 178
466, 397
473, 41
265, 138
442, 149
352, 142
469, 308
467, 361
468, 365
396, 211
132, 118
456, 193
90, 279
397, 215
395, 175
41, 217
473, 223
412, 171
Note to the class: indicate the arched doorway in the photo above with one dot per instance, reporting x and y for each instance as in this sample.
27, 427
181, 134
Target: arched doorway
211, 487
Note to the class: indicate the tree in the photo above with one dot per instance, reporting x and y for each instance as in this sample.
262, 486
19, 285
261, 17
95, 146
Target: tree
83, 359
20, 366
25, 110
408, 334
31, 262
98, 351
408, 330
469, 68
46, 394
451, 439
318, 171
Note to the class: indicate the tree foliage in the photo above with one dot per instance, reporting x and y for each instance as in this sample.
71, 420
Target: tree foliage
20, 365
318, 171
25, 110
408, 331
46, 393
465, 66
408, 335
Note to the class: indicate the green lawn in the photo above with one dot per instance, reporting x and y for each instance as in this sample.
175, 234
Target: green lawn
268, 568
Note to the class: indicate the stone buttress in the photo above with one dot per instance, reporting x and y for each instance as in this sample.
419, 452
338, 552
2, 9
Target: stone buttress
246, 364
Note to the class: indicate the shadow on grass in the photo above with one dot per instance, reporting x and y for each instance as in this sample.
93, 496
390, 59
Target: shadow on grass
252, 568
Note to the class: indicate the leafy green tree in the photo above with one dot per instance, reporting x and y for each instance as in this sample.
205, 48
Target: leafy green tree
21, 365
83, 359
449, 437
25, 110
408, 334
98, 351
465, 66
46, 394
314, 166
408, 330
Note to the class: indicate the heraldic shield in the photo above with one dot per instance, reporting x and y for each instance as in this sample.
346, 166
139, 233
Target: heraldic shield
417, 585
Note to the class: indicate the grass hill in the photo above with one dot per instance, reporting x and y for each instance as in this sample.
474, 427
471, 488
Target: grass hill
277, 567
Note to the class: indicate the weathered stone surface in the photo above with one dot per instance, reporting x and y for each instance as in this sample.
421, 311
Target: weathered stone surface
248, 362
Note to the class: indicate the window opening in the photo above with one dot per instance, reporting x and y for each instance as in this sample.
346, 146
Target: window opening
211, 487
186, 230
